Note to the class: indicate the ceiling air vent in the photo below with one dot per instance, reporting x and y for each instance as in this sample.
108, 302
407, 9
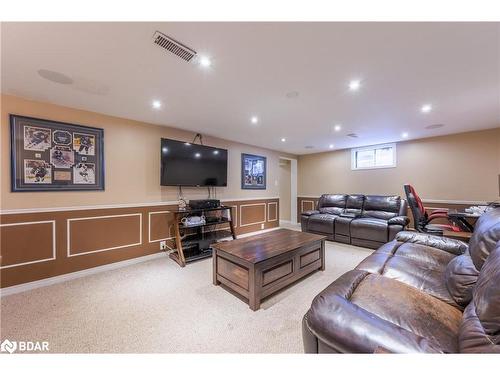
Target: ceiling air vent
352, 135
173, 46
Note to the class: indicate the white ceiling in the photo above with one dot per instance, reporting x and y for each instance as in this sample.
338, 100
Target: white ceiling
118, 71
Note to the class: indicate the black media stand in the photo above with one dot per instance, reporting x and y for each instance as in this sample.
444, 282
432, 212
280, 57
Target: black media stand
194, 242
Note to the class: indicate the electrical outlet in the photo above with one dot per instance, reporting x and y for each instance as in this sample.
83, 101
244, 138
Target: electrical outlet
262, 226
163, 245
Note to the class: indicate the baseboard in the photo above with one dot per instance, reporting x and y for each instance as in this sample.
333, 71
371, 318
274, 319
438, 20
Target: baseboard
91, 271
76, 275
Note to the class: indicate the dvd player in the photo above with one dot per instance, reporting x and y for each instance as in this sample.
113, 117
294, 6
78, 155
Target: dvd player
203, 204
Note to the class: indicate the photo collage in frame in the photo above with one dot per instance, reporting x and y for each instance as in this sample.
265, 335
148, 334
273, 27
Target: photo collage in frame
253, 171
55, 156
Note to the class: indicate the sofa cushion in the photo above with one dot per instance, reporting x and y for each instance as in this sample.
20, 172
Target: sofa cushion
333, 204
486, 295
360, 312
425, 256
461, 277
322, 223
354, 204
369, 228
485, 237
449, 245
416, 265
381, 206
480, 329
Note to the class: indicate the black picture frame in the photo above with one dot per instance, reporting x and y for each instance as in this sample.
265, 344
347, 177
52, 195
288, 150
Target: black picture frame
250, 179
49, 155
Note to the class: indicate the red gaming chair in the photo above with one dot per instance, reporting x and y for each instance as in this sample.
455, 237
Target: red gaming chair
422, 218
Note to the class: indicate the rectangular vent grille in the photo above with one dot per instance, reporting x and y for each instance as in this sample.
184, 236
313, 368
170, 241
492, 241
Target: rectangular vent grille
173, 46
352, 135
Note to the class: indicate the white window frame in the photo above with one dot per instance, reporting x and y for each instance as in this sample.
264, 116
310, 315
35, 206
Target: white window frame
374, 147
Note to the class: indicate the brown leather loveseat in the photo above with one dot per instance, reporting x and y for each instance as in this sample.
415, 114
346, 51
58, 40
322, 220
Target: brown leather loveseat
363, 220
418, 293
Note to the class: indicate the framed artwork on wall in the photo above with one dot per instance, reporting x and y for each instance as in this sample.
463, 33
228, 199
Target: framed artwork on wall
55, 156
253, 171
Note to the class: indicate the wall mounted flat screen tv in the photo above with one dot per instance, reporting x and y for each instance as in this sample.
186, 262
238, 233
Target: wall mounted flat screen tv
188, 164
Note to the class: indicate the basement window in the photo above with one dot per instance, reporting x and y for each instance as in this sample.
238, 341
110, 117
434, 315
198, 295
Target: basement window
373, 157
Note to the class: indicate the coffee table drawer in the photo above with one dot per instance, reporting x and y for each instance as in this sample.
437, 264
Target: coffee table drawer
310, 257
277, 272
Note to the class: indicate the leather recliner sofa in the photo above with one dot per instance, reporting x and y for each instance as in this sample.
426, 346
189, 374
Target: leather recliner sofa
363, 220
418, 293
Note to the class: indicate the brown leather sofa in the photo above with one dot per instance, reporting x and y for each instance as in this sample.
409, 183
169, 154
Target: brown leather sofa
363, 220
418, 293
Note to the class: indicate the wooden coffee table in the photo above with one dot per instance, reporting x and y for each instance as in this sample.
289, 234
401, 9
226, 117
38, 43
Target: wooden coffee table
258, 266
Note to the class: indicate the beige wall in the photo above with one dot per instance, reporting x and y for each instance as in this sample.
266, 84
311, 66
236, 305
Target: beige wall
129, 146
462, 167
285, 188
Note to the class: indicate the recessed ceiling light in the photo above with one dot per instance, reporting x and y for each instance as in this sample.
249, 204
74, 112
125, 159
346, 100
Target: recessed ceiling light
254, 120
216, 152
404, 135
187, 143
164, 149
156, 104
337, 127
426, 108
331, 146
197, 155
205, 61
283, 139
354, 85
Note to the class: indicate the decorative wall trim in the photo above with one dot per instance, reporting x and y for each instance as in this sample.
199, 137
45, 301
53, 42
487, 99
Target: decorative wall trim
94, 270
149, 227
302, 205
76, 275
68, 231
235, 223
275, 211
53, 222
98, 247
257, 222
112, 206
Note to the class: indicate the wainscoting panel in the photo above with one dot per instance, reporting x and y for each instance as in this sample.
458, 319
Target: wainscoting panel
27, 243
252, 213
160, 225
40, 244
87, 235
272, 211
305, 204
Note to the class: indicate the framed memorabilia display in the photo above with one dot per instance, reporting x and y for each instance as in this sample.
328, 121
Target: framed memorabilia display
253, 171
55, 156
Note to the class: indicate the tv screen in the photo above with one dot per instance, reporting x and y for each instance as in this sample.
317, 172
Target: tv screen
187, 164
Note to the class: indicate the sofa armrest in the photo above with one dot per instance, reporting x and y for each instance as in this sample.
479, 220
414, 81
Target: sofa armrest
310, 212
399, 220
442, 243
343, 326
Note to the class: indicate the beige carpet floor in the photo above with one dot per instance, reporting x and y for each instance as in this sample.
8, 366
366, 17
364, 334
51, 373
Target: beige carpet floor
157, 307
